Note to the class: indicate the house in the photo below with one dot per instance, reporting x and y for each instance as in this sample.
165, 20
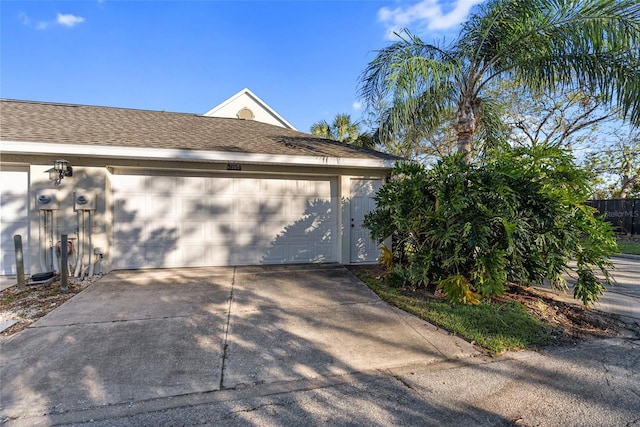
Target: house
153, 189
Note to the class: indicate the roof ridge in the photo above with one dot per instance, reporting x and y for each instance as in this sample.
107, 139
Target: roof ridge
110, 107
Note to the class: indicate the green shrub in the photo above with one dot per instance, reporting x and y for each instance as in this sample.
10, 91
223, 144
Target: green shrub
518, 215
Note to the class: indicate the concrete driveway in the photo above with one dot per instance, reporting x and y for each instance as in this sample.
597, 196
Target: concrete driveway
135, 336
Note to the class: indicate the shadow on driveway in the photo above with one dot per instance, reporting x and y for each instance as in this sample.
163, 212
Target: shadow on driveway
139, 335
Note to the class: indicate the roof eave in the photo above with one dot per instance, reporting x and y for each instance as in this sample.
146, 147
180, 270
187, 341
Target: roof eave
110, 152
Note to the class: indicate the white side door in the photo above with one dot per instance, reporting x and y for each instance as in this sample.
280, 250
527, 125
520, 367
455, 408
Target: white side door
14, 216
363, 248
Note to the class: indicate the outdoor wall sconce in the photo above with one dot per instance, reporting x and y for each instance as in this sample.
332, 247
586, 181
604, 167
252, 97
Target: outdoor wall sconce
60, 169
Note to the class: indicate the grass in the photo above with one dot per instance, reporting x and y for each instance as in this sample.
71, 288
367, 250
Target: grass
628, 247
495, 326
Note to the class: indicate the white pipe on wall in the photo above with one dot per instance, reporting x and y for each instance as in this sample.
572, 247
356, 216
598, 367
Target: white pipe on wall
41, 242
90, 244
54, 229
80, 249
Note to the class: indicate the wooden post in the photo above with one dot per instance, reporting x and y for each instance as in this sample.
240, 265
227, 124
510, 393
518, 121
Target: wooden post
17, 241
64, 261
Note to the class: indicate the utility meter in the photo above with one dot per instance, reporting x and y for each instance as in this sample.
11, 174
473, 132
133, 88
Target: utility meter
84, 200
47, 200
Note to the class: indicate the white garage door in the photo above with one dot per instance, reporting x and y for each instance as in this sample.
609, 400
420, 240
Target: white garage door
188, 221
14, 216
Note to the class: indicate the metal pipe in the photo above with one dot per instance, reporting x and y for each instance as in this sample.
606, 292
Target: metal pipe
54, 229
41, 242
90, 244
80, 248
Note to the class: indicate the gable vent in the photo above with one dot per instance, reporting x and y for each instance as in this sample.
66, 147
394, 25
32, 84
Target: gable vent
245, 114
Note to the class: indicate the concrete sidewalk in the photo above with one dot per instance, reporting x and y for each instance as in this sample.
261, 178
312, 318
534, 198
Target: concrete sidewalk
623, 299
593, 384
138, 336
7, 282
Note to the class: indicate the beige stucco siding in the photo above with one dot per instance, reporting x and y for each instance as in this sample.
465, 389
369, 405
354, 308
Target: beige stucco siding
96, 175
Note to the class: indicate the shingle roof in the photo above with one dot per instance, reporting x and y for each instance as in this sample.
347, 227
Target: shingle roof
29, 121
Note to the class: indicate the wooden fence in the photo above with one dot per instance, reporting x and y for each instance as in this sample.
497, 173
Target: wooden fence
624, 214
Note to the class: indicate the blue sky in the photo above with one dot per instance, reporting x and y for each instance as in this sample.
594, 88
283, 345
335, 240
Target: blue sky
303, 58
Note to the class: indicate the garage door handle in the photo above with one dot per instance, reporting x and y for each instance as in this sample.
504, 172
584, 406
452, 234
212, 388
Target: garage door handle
353, 225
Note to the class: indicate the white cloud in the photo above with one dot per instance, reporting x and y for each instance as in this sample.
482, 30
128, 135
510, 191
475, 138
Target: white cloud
426, 15
69, 20
66, 20
357, 105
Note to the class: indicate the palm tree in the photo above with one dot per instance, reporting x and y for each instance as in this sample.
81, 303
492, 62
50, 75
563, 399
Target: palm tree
345, 130
342, 129
544, 45
322, 129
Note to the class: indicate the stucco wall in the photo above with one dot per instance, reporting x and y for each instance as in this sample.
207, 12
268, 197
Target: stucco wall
83, 179
94, 174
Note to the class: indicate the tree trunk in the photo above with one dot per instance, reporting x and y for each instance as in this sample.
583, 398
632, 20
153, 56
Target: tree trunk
465, 128
627, 185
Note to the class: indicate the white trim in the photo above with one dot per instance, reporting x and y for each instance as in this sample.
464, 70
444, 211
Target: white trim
43, 148
211, 112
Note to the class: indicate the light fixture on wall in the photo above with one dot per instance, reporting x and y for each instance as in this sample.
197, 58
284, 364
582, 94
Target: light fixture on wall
60, 169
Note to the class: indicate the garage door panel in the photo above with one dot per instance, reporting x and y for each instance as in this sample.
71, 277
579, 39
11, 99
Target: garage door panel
261, 208
129, 233
271, 207
167, 255
310, 188
248, 255
246, 207
194, 206
129, 209
325, 252
272, 229
161, 205
195, 185
296, 206
275, 255
193, 255
128, 183
218, 255
245, 186
220, 207
220, 233
220, 186
246, 234
162, 184
236, 221
275, 187
128, 256
192, 231
161, 232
